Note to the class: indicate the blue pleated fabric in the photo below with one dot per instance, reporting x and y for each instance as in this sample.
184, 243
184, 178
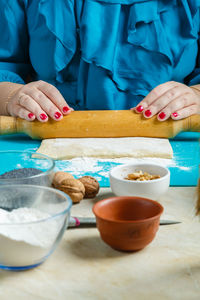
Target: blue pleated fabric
101, 54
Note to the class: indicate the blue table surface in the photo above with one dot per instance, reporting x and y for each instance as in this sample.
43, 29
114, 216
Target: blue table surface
184, 169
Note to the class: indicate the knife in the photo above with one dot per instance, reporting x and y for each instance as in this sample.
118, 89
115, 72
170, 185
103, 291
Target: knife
85, 222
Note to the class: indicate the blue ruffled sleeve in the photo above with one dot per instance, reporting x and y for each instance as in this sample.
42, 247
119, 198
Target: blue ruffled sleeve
14, 58
194, 77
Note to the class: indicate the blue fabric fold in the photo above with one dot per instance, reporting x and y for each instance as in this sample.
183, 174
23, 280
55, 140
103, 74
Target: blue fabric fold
103, 54
137, 33
60, 21
145, 22
14, 58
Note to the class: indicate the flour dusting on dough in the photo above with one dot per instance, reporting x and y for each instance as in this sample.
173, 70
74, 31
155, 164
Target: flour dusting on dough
139, 147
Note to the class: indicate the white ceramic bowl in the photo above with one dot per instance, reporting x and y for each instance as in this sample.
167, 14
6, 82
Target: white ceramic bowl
152, 189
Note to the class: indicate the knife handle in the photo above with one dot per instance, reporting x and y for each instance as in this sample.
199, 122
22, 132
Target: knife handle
82, 222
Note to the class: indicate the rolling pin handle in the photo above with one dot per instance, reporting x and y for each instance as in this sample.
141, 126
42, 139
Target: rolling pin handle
194, 123
8, 125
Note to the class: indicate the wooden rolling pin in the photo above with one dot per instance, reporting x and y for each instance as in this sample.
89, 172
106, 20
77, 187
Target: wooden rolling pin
121, 123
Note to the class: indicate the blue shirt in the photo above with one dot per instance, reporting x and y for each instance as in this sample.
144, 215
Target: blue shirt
100, 54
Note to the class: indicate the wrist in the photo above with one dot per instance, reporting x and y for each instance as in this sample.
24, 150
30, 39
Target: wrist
7, 90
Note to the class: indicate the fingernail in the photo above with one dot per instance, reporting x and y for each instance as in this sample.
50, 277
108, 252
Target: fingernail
162, 115
148, 113
57, 115
43, 117
30, 115
66, 109
139, 108
175, 114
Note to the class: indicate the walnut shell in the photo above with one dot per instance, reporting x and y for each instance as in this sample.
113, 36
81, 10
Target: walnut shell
67, 183
61, 177
91, 186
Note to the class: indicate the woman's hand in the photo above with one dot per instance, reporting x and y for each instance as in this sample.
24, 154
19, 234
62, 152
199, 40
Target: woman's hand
170, 99
38, 100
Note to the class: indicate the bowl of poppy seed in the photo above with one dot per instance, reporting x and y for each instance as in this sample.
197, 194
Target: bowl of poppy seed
25, 167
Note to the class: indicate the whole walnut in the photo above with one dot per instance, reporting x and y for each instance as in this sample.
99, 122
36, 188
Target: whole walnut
67, 183
91, 186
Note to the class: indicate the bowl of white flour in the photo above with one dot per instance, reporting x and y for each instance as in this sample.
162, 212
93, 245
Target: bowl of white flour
31, 231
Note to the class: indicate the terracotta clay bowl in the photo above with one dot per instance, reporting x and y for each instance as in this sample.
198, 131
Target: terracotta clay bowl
127, 223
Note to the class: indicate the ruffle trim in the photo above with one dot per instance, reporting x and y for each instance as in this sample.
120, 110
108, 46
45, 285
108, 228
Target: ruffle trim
104, 47
60, 21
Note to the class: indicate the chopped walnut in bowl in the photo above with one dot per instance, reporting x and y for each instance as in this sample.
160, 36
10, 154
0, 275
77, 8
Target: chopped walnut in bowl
141, 176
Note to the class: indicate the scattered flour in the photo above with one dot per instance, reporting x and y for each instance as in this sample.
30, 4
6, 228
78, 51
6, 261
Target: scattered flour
100, 167
27, 243
78, 166
184, 168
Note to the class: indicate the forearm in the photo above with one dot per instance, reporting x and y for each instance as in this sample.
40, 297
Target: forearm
7, 90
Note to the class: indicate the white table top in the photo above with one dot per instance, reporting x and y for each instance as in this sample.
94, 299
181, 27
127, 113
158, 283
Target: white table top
84, 267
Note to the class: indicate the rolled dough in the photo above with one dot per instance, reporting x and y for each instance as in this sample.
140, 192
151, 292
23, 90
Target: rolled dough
67, 148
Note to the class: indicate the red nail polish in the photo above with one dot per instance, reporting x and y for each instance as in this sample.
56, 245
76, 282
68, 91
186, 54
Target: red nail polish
30, 115
66, 109
175, 114
43, 117
148, 113
57, 115
162, 115
139, 108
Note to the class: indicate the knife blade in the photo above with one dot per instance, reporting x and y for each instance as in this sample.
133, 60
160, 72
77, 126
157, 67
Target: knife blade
85, 222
